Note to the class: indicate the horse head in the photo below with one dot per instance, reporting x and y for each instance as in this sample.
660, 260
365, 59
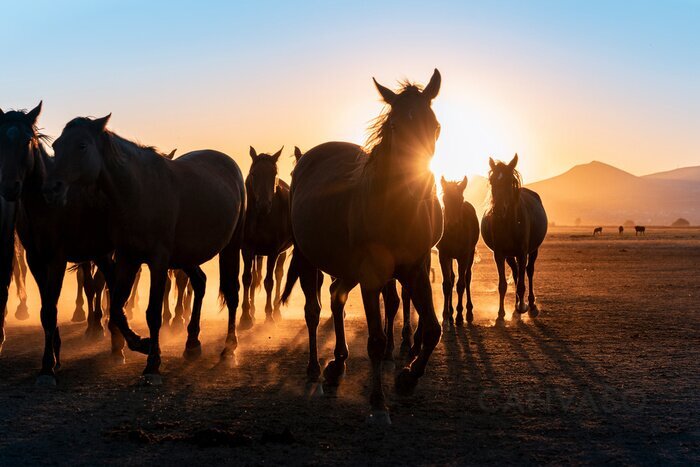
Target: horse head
19, 144
262, 180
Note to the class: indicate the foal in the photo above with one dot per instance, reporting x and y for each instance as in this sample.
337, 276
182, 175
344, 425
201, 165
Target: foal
458, 242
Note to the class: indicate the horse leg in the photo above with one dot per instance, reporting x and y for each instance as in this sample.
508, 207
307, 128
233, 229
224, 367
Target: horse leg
229, 286
248, 291
79, 313
376, 345
182, 282
279, 275
193, 348
391, 307
530, 274
308, 277
257, 279
269, 284
502, 284
447, 284
406, 330
421, 295
521, 307
98, 282
461, 280
154, 318
189, 296
89, 286
167, 315
133, 302
7, 256
125, 272
335, 369
19, 271
468, 286
49, 278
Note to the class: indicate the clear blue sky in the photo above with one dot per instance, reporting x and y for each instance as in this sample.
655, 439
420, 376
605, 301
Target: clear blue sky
560, 82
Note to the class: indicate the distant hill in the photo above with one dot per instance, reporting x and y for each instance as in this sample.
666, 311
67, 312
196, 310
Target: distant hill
599, 193
685, 173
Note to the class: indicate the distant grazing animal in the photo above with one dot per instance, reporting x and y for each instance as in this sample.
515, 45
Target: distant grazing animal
620, 230
514, 228
52, 235
366, 217
168, 214
597, 231
91, 281
267, 232
458, 242
639, 230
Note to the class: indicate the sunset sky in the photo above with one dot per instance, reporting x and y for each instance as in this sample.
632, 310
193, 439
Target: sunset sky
560, 82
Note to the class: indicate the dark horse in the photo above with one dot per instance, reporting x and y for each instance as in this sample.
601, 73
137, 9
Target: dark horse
620, 230
597, 231
514, 228
52, 235
365, 218
639, 230
168, 214
458, 242
268, 232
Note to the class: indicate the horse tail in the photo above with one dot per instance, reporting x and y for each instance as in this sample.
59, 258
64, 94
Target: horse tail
292, 276
230, 262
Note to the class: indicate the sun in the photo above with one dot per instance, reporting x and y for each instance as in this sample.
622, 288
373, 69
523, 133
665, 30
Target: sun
472, 131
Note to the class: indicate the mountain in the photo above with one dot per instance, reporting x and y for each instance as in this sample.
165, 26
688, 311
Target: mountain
598, 193
685, 173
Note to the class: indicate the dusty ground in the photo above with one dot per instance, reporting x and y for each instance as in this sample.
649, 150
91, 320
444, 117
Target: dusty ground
609, 372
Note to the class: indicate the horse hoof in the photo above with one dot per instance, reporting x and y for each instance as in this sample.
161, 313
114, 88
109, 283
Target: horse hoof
379, 418
313, 389
388, 365
470, 317
276, 315
22, 314
534, 311
117, 358
94, 334
245, 323
78, 316
151, 379
228, 358
405, 382
522, 308
334, 372
330, 390
269, 320
459, 321
177, 326
45, 381
193, 352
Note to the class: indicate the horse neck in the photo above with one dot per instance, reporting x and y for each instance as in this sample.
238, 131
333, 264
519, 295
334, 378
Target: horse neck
119, 180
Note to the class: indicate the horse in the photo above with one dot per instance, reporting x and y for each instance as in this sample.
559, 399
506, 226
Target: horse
597, 231
458, 242
77, 231
183, 303
513, 228
168, 214
19, 276
92, 282
365, 217
268, 232
639, 230
620, 230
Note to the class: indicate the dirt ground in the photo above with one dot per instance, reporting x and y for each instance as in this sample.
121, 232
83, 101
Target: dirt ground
609, 372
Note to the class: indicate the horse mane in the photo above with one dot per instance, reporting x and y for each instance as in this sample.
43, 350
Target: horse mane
380, 126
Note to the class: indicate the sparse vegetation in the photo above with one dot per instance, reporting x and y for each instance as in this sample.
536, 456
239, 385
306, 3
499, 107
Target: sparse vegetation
680, 222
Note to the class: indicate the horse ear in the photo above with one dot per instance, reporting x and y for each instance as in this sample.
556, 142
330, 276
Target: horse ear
1, 113
101, 123
492, 163
513, 162
297, 152
387, 94
443, 182
433, 88
277, 155
463, 184
33, 114
253, 153
171, 155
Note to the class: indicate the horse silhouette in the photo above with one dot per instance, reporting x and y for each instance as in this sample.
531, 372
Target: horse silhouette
597, 231
639, 230
513, 228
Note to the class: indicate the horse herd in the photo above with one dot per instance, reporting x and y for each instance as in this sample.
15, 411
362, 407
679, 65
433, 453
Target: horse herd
365, 216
